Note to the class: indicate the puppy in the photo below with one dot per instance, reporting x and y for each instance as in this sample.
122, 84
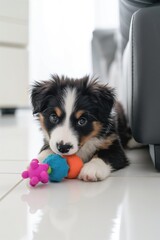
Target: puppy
81, 116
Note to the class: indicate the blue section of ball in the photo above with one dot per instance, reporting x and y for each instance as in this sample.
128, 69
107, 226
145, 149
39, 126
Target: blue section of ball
59, 167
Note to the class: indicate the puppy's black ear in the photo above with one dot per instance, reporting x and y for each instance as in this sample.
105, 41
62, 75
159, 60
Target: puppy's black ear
107, 98
104, 97
40, 95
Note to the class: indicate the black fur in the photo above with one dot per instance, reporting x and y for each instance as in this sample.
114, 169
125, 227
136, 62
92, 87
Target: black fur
114, 155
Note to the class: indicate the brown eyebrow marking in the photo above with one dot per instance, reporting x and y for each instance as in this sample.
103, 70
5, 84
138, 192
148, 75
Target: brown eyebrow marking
41, 119
58, 111
79, 113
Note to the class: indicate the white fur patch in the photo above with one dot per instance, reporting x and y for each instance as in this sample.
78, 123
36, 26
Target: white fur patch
95, 170
64, 132
45, 134
44, 154
69, 101
133, 144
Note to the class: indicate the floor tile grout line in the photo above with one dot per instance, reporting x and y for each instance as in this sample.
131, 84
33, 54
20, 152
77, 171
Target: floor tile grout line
13, 160
7, 193
3, 173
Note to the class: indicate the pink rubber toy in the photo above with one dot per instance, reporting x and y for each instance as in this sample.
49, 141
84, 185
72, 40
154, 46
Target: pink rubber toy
37, 172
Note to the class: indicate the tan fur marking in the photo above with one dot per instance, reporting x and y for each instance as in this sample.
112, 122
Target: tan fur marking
41, 119
58, 111
97, 126
79, 113
108, 141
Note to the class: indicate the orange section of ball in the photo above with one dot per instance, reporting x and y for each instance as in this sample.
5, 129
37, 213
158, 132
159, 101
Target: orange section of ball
75, 164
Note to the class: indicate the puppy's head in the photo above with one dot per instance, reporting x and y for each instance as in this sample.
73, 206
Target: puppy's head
71, 111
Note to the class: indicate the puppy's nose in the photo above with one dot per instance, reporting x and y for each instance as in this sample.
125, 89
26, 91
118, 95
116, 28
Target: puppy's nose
64, 148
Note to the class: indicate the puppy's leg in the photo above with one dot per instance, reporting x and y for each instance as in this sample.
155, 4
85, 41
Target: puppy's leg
95, 170
132, 144
107, 160
44, 152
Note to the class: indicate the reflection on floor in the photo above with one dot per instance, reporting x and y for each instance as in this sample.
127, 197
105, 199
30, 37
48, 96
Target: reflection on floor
123, 207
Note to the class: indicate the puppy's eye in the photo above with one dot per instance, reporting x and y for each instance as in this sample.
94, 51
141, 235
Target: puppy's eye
54, 118
82, 122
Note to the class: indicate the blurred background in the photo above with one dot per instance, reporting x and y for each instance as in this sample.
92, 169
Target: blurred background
42, 37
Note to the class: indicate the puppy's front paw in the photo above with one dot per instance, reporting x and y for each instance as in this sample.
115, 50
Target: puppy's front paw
95, 170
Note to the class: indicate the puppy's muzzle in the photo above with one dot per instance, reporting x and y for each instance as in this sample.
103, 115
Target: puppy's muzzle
64, 148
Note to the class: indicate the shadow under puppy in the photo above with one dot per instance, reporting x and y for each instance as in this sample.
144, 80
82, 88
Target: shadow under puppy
81, 116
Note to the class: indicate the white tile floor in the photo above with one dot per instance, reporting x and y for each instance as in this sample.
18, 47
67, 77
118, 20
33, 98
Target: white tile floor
126, 206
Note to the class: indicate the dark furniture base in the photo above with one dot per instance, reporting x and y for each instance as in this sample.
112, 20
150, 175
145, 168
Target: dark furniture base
155, 155
8, 111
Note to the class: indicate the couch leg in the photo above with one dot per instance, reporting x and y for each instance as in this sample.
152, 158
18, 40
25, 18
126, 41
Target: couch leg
155, 155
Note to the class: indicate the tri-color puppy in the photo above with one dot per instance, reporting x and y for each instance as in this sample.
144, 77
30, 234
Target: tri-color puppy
81, 116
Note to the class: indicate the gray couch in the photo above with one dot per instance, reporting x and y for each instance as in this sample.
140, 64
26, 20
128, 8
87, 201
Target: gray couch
140, 30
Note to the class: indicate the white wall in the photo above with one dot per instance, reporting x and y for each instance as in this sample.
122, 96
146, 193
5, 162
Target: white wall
60, 35
61, 32
106, 14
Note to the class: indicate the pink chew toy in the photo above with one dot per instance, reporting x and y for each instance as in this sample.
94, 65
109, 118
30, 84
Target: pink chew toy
37, 172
